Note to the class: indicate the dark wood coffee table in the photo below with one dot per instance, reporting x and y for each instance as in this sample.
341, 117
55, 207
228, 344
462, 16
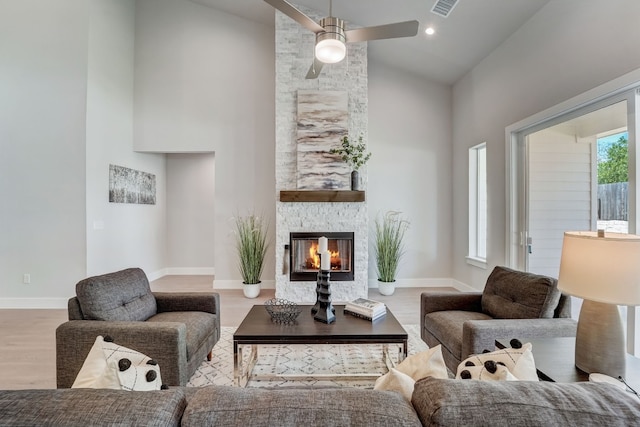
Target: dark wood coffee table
257, 328
555, 361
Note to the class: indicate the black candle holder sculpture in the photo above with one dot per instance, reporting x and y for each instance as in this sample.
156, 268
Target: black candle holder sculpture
316, 307
325, 312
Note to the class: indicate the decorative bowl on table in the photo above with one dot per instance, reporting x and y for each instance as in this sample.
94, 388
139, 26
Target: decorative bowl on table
281, 310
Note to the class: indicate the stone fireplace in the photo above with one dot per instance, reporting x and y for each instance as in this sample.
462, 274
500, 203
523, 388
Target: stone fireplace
331, 218
294, 55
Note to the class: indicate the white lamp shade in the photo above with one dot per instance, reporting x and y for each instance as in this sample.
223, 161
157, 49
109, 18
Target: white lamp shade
330, 51
602, 269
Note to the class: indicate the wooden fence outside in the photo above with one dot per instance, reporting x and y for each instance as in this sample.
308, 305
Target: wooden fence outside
613, 201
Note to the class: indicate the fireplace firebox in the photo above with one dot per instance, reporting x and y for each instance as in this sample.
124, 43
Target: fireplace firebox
304, 260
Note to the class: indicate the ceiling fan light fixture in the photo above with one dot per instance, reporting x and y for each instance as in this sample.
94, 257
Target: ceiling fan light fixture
330, 51
330, 43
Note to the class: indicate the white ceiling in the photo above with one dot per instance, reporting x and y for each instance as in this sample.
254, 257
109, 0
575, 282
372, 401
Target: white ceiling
471, 32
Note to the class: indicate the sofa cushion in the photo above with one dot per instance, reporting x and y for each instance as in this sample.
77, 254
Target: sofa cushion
511, 294
199, 326
447, 327
230, 406
124, 295
91, 407
517, 403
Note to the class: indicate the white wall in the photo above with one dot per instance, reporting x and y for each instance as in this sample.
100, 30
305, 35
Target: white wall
43, 62
205, 82
119, 235
410, 169
569, 47
190, 213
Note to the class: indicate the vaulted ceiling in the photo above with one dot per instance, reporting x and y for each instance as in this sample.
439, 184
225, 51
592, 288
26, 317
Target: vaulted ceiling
473, 29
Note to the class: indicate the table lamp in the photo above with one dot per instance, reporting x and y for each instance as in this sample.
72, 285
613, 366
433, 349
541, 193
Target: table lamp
604, 270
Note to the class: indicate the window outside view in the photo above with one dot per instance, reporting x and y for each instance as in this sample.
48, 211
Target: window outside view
613, 180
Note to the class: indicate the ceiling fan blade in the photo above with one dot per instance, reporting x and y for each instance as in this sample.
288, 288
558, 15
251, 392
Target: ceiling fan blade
314, 70
389, 31
293, 13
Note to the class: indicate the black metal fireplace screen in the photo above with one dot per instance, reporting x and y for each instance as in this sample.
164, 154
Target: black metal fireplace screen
305, 262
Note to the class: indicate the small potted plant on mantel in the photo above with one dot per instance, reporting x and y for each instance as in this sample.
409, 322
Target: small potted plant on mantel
354, 155
251, 245
389, 248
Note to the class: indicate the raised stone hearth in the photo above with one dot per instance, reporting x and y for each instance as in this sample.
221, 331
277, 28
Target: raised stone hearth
294, 55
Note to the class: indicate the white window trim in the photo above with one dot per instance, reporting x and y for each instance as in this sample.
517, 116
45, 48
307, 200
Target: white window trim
474, 258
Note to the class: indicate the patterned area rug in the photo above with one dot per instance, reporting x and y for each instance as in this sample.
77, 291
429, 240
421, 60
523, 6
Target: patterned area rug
302, 359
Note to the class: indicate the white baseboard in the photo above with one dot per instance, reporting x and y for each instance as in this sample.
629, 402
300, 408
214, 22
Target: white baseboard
181, 271
34, 303
463, 287
156, 274
427, 283
400, 283
190, 271
237, 284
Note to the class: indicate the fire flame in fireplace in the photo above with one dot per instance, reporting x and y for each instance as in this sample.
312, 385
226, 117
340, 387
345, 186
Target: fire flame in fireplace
314, 258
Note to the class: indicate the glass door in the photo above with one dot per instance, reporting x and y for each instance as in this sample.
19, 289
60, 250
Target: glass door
576, 177
575, 171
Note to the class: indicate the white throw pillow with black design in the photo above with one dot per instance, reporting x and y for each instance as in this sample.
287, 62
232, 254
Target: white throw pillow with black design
109, 365
518, 360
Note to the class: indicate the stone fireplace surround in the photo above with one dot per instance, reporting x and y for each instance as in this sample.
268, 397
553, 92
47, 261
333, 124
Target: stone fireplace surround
294, 55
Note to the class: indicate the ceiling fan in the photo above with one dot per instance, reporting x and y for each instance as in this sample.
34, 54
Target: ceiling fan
331, 35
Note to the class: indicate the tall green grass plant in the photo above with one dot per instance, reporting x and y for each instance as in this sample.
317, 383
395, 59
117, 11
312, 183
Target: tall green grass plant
389, 246
251, 245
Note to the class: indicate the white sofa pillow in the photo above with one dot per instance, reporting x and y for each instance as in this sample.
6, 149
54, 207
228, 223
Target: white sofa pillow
394, 380
518, 361
428, 363
112, 366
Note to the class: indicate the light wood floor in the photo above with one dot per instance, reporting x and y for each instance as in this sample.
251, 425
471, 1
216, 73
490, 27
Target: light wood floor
27, 337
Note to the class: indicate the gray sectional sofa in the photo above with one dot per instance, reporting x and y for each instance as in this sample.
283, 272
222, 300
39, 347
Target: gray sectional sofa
435, 402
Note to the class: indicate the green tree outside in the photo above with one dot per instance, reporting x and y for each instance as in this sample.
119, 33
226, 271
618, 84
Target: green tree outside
614, 167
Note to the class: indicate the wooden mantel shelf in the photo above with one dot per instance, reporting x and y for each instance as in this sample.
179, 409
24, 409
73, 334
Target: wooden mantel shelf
321, 196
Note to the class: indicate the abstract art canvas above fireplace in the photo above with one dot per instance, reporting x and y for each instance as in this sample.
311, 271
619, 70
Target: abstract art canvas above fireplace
323, 120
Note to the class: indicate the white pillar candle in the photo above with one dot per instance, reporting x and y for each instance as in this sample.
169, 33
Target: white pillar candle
323, 245
325, 264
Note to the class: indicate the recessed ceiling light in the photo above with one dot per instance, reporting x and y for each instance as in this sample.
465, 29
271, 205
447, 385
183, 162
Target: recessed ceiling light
430, 31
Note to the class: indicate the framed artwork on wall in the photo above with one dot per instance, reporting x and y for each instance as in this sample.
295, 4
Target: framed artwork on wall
131, 186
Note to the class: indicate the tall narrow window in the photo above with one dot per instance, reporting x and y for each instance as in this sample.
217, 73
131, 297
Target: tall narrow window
478, 205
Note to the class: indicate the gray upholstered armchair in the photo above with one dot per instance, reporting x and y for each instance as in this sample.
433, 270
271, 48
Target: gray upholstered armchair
514, 304
178, 330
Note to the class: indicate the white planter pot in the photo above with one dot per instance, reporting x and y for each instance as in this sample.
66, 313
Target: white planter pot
386, 288
251, 290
